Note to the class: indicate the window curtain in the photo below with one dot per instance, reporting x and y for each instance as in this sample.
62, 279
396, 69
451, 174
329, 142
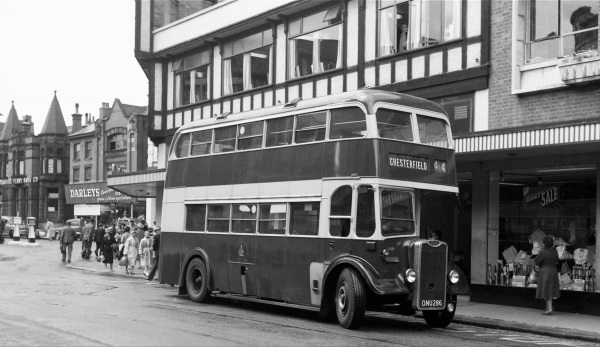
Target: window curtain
386, 40
177, 90
270, 73
316, 56
292, 53
227, 77
247, 71
338, 62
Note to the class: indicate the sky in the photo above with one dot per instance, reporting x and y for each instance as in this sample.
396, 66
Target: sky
82, 49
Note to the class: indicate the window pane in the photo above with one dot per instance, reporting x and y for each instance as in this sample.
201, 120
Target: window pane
237, 73
218, 218
279, 131
225, 139
365, 212
543, 20
301, 57
347, 123
183, 146
272, 219
432, 131
244, 219
330, 41
260, 67
248, 43
201, 141
341, 202
294, 28
195, 217
201, 83
311, 127
304, 219
250, 135
186, 87
396, 212
394, 125
542, 50
431, 27
339, 227
314, 22
387, 31
582, 15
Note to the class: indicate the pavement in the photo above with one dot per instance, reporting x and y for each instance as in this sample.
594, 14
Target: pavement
525, 320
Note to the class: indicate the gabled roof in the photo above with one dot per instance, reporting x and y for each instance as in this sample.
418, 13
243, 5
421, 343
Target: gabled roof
132, 109
55, 122
12, 125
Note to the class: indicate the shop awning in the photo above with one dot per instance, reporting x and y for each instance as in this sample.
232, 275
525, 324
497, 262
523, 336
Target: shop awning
529, 141
143, 184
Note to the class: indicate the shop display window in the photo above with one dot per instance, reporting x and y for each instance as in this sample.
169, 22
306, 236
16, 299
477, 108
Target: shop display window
526, 206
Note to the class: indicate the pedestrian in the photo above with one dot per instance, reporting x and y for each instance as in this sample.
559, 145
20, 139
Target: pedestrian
108, 245
146, 252
2, 225
141, 232
547, 281
98, 236
67, 237
50, 229
155, 249
87, 238
131, 251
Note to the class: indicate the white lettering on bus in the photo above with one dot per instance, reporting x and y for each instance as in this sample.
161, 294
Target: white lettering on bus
408, 163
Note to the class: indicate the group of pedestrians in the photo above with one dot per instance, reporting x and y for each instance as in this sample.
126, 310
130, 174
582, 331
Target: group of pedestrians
115, 242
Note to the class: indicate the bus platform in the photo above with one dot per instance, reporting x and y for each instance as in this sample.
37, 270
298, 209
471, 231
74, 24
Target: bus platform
525, 320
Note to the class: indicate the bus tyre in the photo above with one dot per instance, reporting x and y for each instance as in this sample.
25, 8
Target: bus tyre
196, 280
350, 299
442, 318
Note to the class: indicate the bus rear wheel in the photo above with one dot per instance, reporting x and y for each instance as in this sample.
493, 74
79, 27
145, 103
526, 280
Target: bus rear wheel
350, 299
196, 280
442, 318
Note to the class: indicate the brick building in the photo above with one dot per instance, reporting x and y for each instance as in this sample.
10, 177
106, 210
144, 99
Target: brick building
534, 170
34, 168
115, 143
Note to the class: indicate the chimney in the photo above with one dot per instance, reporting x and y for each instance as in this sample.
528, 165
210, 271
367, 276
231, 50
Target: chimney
26, 125
76, 119
104, 111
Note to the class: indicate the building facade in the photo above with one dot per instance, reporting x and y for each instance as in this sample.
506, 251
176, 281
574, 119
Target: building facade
115, 143
534, 172
34, 169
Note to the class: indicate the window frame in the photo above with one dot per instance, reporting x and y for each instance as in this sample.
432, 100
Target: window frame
76, 174
190, 66
344, 219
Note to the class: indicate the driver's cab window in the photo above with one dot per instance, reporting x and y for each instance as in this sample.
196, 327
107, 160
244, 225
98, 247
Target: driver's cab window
397, 212
340, 212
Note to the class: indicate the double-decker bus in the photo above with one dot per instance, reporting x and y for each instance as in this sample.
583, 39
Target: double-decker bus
316, 203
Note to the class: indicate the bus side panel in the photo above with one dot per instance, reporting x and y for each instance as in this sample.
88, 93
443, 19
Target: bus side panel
307, 162
246, 167
221, 169
276, 164
270, 264
177, 173
170, 257
241, 264
199, 171
412, 171
216, 246
300, 253
351, 157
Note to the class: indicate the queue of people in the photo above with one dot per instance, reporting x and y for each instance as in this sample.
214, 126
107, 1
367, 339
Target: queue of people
131, 246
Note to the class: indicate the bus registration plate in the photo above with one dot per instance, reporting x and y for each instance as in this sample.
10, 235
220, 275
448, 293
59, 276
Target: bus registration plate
432, 303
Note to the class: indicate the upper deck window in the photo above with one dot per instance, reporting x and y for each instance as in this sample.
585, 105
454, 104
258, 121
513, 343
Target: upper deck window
201, 141
280, 131
347, 123
432, 131
396, 125
183, 146
250, 135
311, 127
315, 43
397, 216
225, 139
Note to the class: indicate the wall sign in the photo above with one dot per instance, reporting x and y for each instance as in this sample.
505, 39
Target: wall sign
545, 196
19, 180
94, 193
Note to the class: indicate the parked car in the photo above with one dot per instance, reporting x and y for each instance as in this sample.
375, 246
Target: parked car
10, 227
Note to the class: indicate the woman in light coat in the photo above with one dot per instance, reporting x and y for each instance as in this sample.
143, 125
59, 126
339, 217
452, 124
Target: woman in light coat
131, 251
146, 252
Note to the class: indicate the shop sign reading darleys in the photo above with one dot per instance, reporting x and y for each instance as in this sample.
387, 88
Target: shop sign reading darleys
94, 193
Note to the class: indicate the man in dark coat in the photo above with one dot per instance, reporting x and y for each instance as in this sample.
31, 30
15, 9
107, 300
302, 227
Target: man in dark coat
67, 237
2, 224
155, 248
97, 237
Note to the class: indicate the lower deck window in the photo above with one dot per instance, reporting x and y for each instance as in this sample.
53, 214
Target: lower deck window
195, 217
304, 219
218, 218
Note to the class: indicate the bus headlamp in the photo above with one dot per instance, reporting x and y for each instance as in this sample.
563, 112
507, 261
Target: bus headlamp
453, 277
411, 275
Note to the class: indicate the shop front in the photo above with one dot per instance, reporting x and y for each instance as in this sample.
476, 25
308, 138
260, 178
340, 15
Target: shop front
527, 184
97, 200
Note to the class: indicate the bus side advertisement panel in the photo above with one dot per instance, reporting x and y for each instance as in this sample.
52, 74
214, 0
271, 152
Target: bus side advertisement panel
170, 257
349, 158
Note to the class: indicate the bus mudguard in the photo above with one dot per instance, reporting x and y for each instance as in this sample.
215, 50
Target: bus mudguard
195, 253
462, 286
372, 278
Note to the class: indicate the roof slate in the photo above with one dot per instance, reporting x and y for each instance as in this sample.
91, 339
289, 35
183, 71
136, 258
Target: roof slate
12, 125
55, 122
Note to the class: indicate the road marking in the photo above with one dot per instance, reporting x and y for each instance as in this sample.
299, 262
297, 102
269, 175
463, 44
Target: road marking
492, 334
539, 342
125, 281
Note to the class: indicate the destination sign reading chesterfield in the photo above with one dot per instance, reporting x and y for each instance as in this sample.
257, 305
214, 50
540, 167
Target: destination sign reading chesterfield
408, 162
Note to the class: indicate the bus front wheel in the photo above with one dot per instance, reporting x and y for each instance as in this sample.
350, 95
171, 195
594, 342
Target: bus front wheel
196, 280
350, 299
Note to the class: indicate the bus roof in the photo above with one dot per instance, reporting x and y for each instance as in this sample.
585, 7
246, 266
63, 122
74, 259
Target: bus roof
368, 97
